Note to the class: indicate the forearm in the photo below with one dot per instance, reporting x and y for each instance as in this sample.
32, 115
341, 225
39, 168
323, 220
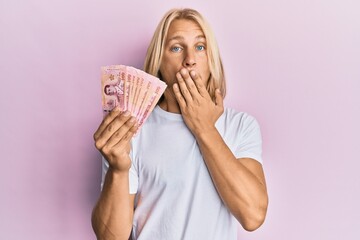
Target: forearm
113, 213
242, 191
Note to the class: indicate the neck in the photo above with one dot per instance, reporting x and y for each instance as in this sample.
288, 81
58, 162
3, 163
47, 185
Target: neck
169, 103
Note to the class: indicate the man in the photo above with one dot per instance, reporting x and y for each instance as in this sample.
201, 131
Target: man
195, 167
117, 91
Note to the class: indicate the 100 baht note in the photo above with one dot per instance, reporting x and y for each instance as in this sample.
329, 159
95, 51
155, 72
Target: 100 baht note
112, 84
131, 90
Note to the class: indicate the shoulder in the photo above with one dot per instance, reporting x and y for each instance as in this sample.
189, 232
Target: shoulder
240, 120
241, 132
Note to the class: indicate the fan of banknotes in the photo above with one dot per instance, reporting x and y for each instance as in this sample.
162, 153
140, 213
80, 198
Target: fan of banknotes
131, 90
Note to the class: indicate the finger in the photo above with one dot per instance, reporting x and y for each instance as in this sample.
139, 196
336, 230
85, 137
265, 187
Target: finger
219, 100
108, 119
190, 83
119, 135
128, 135
183, 88
199, 84
179, 97
111, 128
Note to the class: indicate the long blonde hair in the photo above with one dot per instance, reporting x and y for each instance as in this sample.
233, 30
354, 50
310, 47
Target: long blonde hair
155, 50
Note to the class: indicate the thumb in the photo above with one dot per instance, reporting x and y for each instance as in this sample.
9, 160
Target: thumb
219, 101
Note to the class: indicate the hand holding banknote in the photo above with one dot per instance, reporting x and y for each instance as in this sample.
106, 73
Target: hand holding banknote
112, 139
128, 97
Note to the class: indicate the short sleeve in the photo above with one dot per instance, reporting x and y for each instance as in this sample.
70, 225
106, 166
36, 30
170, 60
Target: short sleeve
133, 176
133, 172
250, 141
133, 179
104, 169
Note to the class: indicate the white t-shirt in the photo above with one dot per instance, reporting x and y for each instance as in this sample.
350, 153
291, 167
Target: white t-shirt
175, 196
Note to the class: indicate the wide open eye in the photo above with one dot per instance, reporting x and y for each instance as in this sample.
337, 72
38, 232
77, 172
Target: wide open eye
176, 49
200, 47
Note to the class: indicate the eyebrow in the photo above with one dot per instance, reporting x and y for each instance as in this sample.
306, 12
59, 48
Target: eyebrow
177, 37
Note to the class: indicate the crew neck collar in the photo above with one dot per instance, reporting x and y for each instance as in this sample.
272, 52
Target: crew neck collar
168, 115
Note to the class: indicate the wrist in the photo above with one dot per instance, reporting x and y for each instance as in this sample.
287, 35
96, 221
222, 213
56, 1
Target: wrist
119, 163
205, 133
118, 172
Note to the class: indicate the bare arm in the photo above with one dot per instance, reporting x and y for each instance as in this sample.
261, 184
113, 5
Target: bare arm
239, 182
112, 215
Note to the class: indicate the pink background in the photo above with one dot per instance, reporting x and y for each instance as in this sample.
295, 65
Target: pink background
294, 65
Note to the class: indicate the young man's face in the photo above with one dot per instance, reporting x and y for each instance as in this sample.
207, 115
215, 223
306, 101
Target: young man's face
110, 90
185, 47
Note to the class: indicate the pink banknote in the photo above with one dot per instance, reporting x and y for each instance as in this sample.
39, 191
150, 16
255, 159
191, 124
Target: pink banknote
130, 89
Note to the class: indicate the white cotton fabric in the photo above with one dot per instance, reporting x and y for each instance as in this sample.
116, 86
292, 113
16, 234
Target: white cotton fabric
175, 196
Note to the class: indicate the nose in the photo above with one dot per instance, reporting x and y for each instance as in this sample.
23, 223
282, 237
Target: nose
189, 60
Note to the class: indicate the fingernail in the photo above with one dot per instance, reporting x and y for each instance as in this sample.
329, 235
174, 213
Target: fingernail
127, 113
175, 86
132, 120
183, 71
192, 73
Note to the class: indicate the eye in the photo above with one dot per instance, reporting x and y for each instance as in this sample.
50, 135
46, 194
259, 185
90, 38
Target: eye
176, 49
200, 48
